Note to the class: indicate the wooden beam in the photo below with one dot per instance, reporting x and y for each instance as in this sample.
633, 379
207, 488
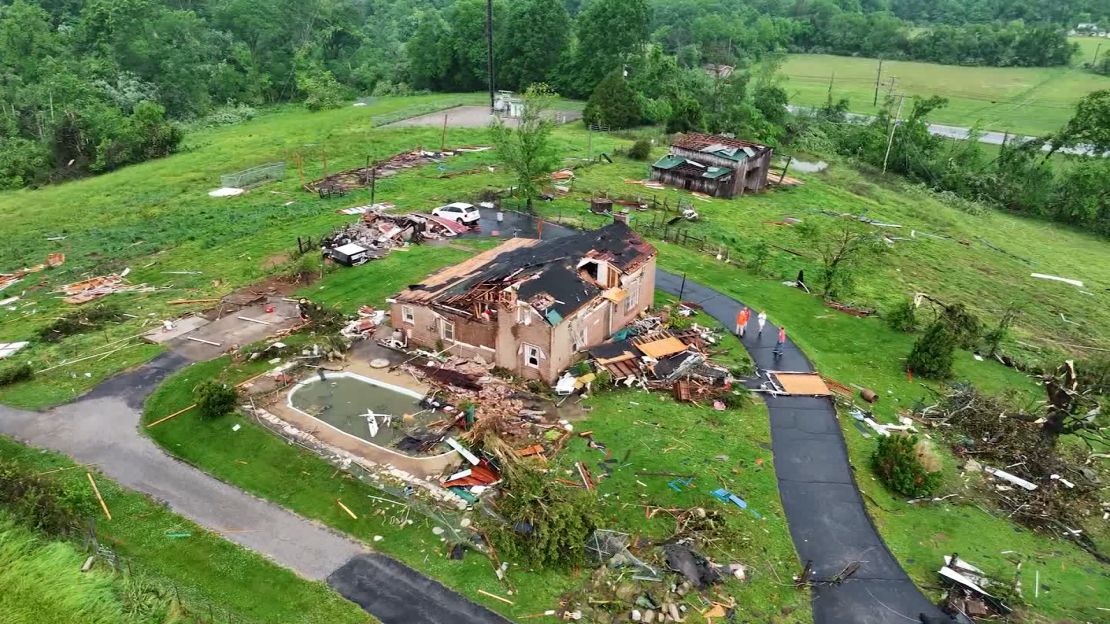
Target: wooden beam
165, 418
100, 498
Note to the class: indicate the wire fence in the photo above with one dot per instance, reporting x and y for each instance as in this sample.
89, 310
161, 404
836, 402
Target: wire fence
254, 176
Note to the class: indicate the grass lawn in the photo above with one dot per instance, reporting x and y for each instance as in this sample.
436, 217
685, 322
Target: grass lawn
1088, 48
866, 352
211, 574
1023, 100
965, 268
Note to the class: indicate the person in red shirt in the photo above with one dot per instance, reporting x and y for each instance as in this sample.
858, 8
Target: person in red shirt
780, 342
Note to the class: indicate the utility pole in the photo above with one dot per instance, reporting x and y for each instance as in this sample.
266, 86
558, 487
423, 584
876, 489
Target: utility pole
890, 91
489, 50
878, 77
1098, 49
893, 127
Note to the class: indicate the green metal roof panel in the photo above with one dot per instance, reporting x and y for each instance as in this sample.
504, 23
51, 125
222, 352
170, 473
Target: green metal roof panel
714, 173
669, 162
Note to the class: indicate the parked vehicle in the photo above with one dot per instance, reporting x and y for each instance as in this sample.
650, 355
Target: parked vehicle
459, 212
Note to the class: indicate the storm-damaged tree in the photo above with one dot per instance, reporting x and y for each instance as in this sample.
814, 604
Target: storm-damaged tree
1076, 393
526, 149
842, 247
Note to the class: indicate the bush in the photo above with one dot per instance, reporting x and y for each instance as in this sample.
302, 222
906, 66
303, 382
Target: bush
215, 399
900, 465
934, 352
640, 150
15, 373
902, 317
52, 506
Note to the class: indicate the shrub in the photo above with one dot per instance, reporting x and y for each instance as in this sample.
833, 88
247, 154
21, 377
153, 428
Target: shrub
934, 351
902, 317
52, 506
215, 399
899, 464
640, 150
15, 373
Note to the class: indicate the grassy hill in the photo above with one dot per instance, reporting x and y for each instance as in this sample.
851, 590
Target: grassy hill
1023, 100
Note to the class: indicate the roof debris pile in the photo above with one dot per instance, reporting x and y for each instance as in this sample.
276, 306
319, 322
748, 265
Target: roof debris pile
375, 233
52, 261
659, 359
967, 596
360, 177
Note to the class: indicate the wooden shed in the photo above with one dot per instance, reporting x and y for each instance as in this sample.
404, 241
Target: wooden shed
715, 165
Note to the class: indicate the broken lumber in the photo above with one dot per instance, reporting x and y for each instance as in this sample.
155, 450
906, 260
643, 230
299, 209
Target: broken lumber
202, 340
165, 418
346, 509
495, 596
187, 301
259, 321
100, 498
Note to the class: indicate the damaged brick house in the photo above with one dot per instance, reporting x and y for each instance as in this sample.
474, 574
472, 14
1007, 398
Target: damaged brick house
532, 306
715, 165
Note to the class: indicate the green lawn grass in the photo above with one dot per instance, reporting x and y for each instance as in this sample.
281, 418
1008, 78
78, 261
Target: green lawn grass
209, 573
867, 353
963, 268
1088, 48
1033, 100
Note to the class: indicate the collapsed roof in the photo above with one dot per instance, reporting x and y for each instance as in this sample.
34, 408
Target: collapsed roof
543, 273
718, 145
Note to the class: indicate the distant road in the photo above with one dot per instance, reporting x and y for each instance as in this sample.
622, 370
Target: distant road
959, 133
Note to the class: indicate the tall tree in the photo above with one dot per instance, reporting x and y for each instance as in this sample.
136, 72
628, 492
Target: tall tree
527, 149
609, 33
613, 103
537, 34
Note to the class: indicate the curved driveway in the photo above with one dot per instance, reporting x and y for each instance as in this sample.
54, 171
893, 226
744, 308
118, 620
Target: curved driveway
102, 428
823, 506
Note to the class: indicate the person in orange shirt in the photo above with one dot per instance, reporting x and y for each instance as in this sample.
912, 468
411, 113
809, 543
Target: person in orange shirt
780, 343
742, 320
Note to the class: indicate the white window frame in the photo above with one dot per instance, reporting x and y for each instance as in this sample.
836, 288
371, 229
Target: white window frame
443, 325
535, 350
632, 297
408, 315
524, 315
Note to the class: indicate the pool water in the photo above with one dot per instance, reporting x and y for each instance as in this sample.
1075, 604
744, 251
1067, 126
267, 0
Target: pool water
343, 401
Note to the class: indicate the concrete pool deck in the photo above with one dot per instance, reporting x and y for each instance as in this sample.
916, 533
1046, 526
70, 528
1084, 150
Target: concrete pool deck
422, 467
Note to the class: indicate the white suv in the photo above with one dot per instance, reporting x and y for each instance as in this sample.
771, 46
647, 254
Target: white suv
459, 212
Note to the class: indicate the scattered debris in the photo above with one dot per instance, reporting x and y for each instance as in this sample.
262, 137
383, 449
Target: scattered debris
1073, 282
361, 177
8, 349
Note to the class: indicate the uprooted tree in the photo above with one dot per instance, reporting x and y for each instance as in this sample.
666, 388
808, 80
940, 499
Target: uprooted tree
1075, 397
527, 149
546, 523
934, 352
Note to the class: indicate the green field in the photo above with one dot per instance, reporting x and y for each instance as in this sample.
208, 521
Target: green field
1031, 101
206, 575
1088, 48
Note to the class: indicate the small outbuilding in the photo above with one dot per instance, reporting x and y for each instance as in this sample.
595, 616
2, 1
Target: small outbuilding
714, 164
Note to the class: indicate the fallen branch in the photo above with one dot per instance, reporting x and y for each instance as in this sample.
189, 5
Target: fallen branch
100, 498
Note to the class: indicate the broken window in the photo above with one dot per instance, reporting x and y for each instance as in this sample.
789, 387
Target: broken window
532, 356
407, 315
523, 315
447, 331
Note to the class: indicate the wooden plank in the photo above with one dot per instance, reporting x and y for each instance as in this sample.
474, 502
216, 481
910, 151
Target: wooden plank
100, 498
165, 418
202, 340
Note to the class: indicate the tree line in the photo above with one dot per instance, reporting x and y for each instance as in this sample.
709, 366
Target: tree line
89, 86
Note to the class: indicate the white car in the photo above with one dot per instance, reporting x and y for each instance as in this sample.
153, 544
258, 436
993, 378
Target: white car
459, 212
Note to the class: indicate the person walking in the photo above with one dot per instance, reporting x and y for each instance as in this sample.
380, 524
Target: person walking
500, 216
742, 318
780, 343
761, 320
